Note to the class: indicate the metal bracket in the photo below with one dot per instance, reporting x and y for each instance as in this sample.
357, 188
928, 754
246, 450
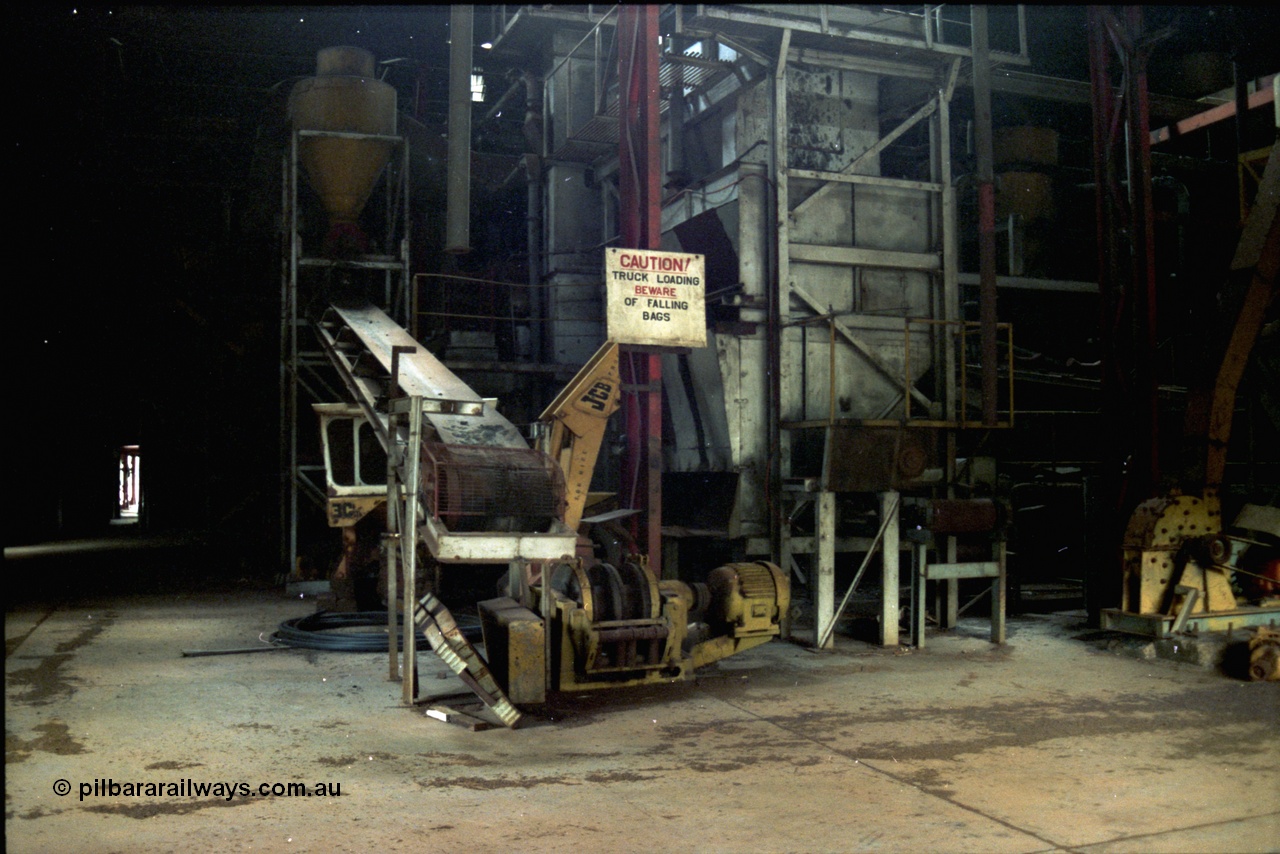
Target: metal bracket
1188, 605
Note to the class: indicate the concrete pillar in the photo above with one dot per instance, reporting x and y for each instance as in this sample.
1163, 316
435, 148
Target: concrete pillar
825, 547
889, 552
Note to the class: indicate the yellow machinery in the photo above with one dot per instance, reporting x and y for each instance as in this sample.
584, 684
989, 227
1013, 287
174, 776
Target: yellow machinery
1180, 558
570, 622
421, 461
587, 624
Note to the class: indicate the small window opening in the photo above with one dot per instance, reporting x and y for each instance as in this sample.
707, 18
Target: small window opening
130, 494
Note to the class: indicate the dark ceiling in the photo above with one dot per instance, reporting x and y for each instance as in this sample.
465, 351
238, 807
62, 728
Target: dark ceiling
144, 161
180, 97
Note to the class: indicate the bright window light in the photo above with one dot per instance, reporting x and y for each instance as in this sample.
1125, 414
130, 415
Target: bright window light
130, 494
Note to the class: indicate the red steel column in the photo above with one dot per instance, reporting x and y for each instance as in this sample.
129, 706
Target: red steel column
640, 225
1126, 283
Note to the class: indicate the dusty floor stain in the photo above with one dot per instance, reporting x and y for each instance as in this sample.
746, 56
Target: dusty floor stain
172, 765
994, 726
143, 811
491, 783
11, 644
46, 683
54, 737
347, 761
464, 759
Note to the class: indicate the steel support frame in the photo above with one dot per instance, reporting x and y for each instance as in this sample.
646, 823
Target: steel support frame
640, 224
1126, 279
951, 572
406, 532
943, 264
927, 42
298, 373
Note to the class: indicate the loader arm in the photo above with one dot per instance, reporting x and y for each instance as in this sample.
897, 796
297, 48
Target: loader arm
575, 425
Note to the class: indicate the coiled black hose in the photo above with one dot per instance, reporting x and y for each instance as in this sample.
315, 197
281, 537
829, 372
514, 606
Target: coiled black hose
309, 632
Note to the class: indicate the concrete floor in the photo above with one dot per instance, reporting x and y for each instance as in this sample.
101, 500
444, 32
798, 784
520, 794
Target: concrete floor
1050, 743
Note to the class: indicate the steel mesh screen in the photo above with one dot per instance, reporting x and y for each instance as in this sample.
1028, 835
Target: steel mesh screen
476, 488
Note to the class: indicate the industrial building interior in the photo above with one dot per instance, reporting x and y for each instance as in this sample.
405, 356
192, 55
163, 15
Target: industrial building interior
932, 502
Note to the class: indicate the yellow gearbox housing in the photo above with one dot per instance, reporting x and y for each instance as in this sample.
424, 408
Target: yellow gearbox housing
1156, 562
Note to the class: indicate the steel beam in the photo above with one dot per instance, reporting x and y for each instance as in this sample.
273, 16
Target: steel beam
852, 256
1222, 112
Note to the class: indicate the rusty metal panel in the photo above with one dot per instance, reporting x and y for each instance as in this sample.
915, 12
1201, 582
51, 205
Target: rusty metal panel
833, 117
963, 516
867, 459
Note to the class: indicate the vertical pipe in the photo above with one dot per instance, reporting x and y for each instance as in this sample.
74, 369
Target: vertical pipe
412, 486
986, 213
539, 304
651, 133
779, 368
629, 231
537, 298
1241, 81
458, 185
950, 259
406, 277
1145, 254
390, 552
1102, 582
654, 454
286, 262
291, 321
641, 210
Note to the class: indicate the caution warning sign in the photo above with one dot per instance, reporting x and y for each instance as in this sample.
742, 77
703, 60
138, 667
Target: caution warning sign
656, 298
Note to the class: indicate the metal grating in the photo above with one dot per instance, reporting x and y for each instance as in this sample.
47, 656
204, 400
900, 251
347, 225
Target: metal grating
472, 488
598, 135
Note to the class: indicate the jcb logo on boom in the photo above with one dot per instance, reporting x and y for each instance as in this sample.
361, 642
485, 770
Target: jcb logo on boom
597, 397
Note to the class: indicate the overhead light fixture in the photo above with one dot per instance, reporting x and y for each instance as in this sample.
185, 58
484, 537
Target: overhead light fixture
487, 46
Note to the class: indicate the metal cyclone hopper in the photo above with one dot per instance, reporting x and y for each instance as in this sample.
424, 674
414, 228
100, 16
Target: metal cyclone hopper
343, 97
